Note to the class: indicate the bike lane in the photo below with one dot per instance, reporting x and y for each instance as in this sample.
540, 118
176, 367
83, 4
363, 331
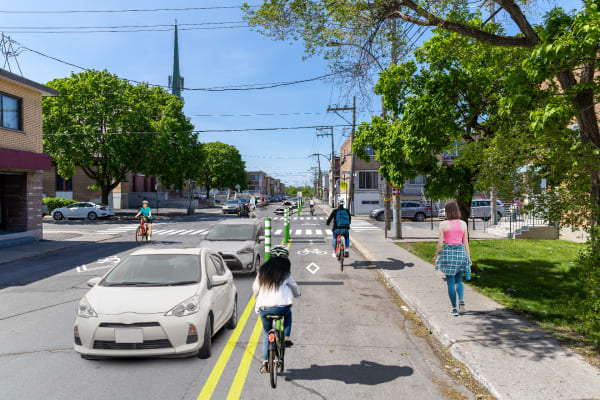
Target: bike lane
351, 341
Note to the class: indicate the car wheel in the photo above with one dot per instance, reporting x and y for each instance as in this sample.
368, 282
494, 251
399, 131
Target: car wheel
206, 349
380, 216
232, 323
92, 216
58, 216
420, 217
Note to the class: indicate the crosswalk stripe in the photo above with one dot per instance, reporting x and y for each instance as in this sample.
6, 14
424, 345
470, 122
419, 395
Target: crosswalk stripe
176, 232
319, 232
309, 232
186, 232
298, 231
329, 232
278, 232
202, 231
302, 218
295, 218
321, 218
167, 231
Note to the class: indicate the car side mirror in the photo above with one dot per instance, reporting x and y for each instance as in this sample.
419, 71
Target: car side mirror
218, 280
261, 238
94, 281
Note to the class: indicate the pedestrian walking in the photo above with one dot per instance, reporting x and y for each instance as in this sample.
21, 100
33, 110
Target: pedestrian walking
452, 256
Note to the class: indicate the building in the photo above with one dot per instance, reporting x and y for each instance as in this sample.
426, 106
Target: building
21, 156
257, 182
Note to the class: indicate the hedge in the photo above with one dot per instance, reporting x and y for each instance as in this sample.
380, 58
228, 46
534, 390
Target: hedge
57, 202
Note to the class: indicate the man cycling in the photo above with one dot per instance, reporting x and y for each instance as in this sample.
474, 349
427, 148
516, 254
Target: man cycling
146, 212
311, 204
341, 225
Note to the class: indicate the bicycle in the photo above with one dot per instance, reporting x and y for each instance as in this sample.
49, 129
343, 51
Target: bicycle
141, 233
276, 348
340, 251
312, 211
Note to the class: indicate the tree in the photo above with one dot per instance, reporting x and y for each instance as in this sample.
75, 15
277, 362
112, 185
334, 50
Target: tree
448, 104
307, 191
223, 168
109, 127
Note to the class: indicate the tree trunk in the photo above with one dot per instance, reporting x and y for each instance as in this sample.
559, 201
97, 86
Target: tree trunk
105, 193
207, 192
464, 198
595, 214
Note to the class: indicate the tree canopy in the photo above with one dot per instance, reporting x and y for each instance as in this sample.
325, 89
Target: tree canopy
109, 127
223, 168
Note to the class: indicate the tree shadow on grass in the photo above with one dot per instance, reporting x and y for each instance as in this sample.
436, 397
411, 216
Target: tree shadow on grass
363, 373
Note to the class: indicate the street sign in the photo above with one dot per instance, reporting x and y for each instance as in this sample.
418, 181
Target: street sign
324, 189
395, 191
343, 185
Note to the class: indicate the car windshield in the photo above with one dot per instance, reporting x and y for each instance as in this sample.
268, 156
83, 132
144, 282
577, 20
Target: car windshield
155, 270
232, 202
231, 232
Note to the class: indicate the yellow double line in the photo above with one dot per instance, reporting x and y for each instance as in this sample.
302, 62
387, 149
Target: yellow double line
235, 391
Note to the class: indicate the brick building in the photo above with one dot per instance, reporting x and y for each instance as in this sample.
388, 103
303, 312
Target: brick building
257, 182
21, 156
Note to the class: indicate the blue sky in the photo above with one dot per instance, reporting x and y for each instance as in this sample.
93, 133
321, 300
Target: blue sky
208, 58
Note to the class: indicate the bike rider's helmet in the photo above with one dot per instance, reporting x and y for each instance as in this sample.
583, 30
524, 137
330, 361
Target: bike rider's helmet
341, 202
279, 251
145, 202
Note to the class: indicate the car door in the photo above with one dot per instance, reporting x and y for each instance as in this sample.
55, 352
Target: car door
259, 243
218, 292
476, 209
73, 210
409, 210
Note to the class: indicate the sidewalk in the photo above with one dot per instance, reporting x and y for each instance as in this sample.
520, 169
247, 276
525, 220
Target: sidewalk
512, 357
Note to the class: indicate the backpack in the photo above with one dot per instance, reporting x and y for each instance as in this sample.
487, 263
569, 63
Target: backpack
342, 219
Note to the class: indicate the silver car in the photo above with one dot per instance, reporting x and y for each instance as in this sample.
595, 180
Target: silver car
241, 243
414, 210
482, 208
232, 207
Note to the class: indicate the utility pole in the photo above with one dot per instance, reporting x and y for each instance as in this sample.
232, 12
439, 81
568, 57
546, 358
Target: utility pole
353, 109
397, 232
319, 178
330, 133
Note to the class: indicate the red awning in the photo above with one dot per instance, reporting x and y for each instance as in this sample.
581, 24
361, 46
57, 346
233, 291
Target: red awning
16, 159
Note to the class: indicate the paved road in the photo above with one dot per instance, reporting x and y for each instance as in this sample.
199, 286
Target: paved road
351, 339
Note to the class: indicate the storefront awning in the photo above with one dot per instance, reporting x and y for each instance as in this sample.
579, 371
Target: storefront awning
17, 159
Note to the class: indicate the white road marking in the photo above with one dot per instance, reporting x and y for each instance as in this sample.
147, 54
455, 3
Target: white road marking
321, 218
295, 218
278, 231
202, 231
329, 232
176, 232
309, 232
312, 268
166, 232
319, 232
298, 231
187, 232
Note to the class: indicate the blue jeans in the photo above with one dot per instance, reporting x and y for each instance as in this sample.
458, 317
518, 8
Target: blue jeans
344, 232
286, 311
455, 285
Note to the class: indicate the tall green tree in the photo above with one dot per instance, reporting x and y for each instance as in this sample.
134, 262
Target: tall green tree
109, 127
223, 168
448, 105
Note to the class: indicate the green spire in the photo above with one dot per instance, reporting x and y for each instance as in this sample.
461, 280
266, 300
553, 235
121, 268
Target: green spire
176, 79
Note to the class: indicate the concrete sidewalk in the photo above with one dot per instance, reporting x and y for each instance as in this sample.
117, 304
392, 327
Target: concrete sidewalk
512, 357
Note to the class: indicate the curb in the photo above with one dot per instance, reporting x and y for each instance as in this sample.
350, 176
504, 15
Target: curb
452, 346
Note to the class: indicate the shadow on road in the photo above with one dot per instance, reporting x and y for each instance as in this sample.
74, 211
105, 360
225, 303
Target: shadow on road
364, 373
319, 283
391, 264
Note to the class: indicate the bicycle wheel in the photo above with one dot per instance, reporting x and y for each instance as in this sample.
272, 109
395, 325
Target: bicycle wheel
273, 368
139, 235
281, 350
341, 257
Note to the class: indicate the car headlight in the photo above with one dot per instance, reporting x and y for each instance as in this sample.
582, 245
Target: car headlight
85, 310
187, 307
247, 250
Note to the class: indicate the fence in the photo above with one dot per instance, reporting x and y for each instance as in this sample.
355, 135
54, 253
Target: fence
515, 219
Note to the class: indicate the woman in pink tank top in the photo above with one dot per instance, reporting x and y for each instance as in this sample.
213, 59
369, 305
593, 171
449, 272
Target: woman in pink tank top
452, 255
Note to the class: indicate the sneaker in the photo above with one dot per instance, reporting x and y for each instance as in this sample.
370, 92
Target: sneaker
461, 307
333, 255
289, 343
454, 312
346, 253
264, 369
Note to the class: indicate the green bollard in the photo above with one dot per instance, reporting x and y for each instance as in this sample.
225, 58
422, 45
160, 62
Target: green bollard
286, 225
267, 238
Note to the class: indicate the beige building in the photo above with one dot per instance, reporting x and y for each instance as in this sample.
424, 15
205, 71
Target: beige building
21, 158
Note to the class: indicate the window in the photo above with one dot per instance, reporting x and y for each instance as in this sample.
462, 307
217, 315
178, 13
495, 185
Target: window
211, 269
63, 185
419, 180
368, 179
218, 265
10, 112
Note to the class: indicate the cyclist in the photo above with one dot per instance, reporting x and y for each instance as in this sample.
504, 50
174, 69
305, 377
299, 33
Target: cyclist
311, 204
146, 212
341, 225
274, 290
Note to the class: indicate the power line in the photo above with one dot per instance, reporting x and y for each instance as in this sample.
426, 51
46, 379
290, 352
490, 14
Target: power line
117, 11
285, 128
122, 26
132, 30
270, 114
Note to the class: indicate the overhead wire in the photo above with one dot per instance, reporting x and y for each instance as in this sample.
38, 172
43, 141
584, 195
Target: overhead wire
119, 11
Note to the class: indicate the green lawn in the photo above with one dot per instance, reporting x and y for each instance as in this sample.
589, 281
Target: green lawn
541, 276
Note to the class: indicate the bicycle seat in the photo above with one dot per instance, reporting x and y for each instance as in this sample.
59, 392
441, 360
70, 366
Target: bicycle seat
274, 317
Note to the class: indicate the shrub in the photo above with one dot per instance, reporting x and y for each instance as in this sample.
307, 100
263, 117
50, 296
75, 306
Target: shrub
57, 202
588, 305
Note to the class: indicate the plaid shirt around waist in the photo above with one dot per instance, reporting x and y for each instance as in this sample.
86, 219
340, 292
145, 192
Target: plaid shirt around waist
452, 259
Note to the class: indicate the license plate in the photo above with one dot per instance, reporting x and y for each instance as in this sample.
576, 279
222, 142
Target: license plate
129, 335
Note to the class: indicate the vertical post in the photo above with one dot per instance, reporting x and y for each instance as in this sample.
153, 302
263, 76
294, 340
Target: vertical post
267, 238
333, 168
351, 194
397, 200
431, 211
286, 225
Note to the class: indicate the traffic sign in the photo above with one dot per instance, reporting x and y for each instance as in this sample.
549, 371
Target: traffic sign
395, 191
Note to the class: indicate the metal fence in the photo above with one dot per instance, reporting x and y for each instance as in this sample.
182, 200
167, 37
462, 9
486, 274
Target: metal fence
515, 219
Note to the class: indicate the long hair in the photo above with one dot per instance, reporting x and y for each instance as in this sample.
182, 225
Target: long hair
272, 273
452, 210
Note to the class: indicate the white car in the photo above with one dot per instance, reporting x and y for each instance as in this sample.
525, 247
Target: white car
157, 303
241, 243
89, 210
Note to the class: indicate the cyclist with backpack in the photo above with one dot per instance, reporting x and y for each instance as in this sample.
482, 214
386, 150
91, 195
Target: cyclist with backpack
341, 225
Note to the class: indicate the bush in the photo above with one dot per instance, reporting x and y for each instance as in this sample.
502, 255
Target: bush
57, 202
588, 305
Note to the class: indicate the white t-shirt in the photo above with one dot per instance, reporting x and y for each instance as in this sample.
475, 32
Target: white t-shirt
282, 296
312, 202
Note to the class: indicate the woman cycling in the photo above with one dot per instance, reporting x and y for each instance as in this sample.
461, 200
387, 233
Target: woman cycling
146, 211
274, 290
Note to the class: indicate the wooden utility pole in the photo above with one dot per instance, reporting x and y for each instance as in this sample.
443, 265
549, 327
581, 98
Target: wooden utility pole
351, 183
332, 189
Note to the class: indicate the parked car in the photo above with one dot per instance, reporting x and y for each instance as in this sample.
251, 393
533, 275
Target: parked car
89, 210
482, 208
241, 243
157, 302
232, 206
414, 210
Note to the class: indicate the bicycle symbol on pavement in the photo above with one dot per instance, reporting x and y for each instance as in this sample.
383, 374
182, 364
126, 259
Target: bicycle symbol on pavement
306, 252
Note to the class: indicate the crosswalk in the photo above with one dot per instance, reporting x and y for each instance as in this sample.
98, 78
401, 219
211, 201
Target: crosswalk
359, 225
299, 218
304, 232
164, 232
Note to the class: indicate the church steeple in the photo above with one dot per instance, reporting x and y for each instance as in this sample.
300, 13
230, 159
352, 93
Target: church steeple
176, 80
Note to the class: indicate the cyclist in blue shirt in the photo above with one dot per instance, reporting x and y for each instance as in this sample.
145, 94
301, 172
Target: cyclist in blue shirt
146, 212
341, 225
